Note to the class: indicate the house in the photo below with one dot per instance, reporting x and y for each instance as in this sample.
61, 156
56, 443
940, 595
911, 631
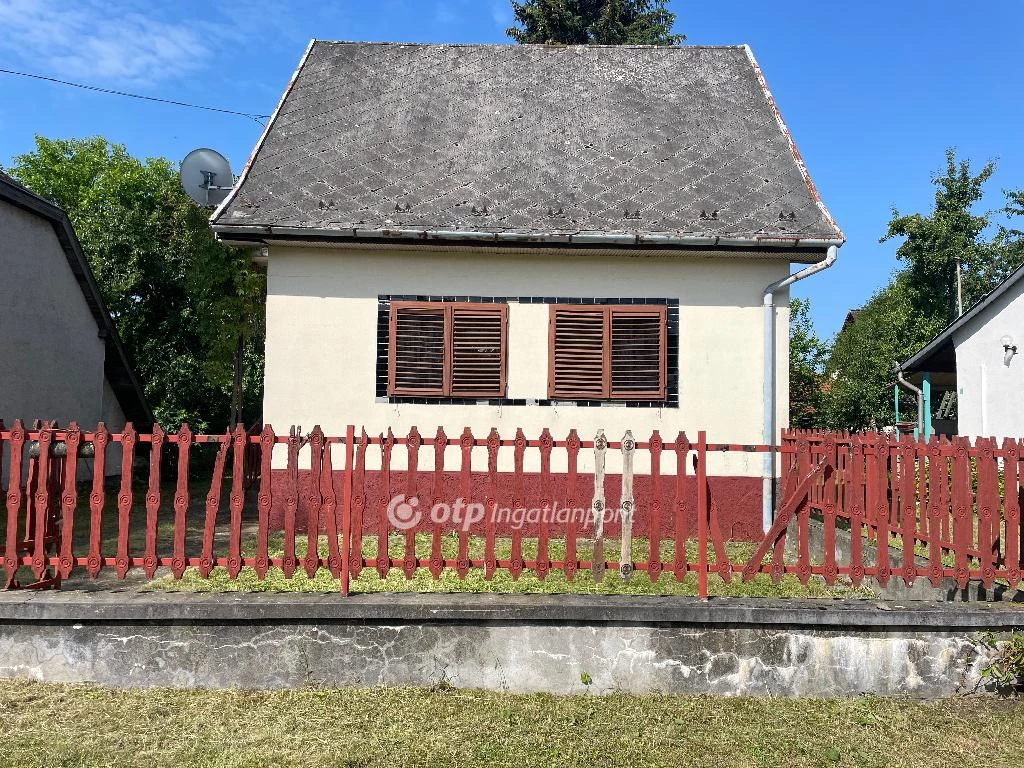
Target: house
530, 236
974, 363
60, 355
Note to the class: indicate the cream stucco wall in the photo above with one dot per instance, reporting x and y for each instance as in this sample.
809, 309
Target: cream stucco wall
322, 336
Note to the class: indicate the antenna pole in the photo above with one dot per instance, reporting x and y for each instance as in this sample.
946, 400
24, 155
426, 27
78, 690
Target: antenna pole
959, 290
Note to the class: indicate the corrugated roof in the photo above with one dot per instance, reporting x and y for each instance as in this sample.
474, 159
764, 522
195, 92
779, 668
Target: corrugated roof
117, 368
528, 140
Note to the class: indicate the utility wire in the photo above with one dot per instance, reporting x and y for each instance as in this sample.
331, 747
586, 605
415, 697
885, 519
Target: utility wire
258, 118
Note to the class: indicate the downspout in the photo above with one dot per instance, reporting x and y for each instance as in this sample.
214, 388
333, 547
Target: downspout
768, 473
920, 400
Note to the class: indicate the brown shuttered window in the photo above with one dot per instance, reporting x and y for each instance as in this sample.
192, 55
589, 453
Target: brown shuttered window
447, 349
607, 352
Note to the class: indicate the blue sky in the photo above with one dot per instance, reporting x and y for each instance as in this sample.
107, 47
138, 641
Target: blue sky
873, 92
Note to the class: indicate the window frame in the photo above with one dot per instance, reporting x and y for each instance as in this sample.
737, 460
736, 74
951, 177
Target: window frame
449, 309
608, 310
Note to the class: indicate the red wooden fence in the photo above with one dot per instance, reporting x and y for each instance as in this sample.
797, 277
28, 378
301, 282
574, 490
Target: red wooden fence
952, 508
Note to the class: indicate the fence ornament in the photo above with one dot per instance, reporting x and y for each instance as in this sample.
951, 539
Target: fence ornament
626, 507
597, 506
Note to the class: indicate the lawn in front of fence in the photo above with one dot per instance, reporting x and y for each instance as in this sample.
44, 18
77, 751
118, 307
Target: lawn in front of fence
555, 582
64, 725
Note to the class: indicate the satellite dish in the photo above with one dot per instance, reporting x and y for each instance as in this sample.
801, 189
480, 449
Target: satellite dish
206, 176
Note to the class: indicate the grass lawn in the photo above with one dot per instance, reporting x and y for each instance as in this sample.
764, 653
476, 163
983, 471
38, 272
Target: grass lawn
639, 583
58, 725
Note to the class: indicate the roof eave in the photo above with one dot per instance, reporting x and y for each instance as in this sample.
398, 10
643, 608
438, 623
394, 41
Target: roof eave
780, 242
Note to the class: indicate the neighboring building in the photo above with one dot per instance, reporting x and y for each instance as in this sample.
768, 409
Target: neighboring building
976, 361
60, 355
527, 236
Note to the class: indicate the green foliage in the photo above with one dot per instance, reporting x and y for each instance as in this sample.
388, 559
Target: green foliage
807, 356
920, 300
596, 22
860, 367
1005, 668
179, 298
933, 244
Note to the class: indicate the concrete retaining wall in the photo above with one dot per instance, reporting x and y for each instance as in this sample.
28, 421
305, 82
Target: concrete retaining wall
500, 642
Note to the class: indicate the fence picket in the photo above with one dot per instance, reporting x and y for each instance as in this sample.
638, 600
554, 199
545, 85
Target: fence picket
358, 505
465, 479
236, 500
936, 480
1011, 495
493, 445
626, 505
880, 503
68, 498
330, 515
436, 555
680, 565
829, 510
988, 509
412, 445
124, 499
346, 510
855, 508
11, 557
516, 564
206, 559
597, 564
383, 524
181, 501
149, 561
265, 501
573, 502
311, 560
962, 504
908, 505
654, 566
97, 499
702, 515
546, 505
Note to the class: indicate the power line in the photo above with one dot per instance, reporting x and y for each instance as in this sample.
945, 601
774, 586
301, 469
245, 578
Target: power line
256, 117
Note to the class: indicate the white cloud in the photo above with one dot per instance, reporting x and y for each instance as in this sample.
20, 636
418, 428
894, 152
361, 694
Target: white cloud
101, 43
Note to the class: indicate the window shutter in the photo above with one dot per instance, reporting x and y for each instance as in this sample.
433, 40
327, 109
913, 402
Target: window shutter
578, 353
613, 352
418, 350
637, 353
478, 351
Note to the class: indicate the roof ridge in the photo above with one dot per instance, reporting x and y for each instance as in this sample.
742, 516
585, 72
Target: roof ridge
553, 46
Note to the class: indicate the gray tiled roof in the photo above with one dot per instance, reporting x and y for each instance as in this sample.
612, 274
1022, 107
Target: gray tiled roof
635, 140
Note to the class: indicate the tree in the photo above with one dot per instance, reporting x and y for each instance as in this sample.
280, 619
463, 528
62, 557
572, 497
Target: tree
951, 236
921, 298
181, 300
597, 22
807, 356
859, 372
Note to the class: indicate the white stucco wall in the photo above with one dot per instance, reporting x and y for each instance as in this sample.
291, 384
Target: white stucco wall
990, 395
51, 357
322, 338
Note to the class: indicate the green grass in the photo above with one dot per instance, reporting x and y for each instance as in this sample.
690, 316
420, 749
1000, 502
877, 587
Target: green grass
62, 725
422, 581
